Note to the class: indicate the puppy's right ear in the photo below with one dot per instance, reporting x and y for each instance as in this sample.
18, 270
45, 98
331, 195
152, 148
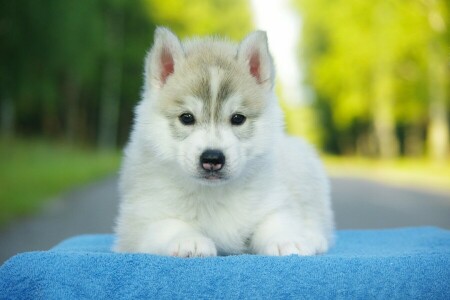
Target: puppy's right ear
163, 58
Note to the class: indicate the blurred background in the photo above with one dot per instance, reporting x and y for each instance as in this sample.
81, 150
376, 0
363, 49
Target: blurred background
367, 82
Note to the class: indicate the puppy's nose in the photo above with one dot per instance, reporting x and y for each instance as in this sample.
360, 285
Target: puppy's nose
212, 160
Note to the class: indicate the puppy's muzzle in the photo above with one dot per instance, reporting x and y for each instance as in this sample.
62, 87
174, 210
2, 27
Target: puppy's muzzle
212, 160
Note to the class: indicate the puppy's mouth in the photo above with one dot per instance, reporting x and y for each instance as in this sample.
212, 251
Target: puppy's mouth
212, 176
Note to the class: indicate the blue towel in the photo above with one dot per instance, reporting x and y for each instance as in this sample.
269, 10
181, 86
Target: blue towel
409, 263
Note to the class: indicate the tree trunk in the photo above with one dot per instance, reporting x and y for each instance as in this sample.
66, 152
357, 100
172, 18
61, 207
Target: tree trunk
71, 95
414, 140
383, 86
7, 117
383, 115
111, 89
437, 131
366, 144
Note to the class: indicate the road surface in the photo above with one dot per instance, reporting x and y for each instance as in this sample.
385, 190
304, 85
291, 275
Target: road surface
358, 204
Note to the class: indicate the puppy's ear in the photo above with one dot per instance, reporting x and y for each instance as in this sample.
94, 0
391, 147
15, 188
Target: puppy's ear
254, 53
163, 57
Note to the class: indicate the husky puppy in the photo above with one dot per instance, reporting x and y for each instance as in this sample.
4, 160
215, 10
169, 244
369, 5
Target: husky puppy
208, 169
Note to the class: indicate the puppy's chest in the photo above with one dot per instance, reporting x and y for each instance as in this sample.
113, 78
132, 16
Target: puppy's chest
229, 222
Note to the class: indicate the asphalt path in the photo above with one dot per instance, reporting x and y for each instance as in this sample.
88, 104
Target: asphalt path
358, 204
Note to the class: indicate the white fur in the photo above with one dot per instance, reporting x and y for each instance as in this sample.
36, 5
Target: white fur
273, 198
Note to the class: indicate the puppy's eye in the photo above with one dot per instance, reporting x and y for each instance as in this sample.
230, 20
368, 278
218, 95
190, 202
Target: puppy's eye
187, 119
238, 119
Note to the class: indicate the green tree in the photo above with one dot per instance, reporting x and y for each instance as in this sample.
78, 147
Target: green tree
231, 18
379, 72
72, 69
437, 58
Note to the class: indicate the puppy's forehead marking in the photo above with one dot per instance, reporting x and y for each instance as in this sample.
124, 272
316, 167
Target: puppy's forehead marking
212, 88
222, 90
216, 75
215, 105
225, 89
202, 88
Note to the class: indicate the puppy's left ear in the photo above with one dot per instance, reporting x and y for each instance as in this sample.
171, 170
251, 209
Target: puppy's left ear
254, 53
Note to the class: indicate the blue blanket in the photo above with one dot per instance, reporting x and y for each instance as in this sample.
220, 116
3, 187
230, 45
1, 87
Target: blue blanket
409, 263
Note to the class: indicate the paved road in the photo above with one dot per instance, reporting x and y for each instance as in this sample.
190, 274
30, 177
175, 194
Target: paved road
89, 209
357, 203
362, 204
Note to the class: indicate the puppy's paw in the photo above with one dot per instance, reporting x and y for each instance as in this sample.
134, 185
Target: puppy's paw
312, 245
192, 247
304, 246
281, 248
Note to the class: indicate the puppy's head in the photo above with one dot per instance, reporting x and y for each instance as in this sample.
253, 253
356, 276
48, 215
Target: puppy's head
209, 105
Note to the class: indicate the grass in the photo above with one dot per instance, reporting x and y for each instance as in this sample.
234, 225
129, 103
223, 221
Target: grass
32, 172
416, 172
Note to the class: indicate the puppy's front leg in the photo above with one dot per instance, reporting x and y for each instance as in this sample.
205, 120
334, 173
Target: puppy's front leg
175, 237
282, 233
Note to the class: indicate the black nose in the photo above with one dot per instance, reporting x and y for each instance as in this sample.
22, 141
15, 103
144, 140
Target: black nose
212, 160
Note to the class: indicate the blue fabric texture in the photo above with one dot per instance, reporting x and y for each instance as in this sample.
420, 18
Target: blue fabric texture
406, 263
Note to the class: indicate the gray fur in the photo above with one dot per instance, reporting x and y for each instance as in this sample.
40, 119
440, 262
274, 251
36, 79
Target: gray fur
202, 88
201, 57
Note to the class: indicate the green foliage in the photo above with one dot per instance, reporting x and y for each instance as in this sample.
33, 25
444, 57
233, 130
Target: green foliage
54, 59
372, 65
231, 18
32, 171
